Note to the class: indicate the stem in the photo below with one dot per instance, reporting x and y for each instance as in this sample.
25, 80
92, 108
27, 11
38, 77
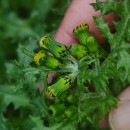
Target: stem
27, 52
45, 82
97, 63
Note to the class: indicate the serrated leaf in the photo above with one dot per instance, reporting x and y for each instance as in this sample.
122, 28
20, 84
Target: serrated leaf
122, 9
39, 124
4, 125
124, 62
9, 97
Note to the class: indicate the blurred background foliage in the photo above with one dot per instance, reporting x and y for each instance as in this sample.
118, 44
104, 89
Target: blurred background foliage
23, 22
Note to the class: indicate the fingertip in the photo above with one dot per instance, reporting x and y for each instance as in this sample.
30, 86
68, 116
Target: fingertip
64, 36
125, 94
119, 118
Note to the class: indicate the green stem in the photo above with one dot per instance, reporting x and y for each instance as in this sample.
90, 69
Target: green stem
28, 53
45, 82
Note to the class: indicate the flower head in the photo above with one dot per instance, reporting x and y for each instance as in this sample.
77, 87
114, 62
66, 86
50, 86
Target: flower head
92, 44
71, 111
40, 58
81, 32
57, 109
78, 50
57, 49
63, 84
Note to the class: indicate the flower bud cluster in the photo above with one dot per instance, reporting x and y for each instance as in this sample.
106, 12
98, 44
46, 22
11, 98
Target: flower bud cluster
65, 61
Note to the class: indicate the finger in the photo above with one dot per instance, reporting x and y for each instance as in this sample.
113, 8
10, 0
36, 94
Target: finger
119, 118
103, 123
79, 12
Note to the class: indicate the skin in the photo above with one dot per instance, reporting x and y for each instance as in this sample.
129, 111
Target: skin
78, 12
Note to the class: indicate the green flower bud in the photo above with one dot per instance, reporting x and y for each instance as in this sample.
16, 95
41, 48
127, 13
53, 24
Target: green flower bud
57, 109
57, 100
51, 62
92, 44
71, 111
72, 99
81, 32
63, 84
78, 50
40, 58
63, 97
57, 49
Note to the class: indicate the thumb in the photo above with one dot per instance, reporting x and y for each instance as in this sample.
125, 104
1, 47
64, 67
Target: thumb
119, 118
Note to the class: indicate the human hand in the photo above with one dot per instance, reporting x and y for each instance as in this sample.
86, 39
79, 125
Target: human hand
80, 11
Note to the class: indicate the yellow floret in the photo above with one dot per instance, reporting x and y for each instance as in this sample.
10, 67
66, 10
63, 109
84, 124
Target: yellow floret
38, 56
43, 39
81, 27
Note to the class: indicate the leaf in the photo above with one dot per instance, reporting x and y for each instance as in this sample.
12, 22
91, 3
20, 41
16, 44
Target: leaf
4, 125
66, 125
122, 9
103, 26
39, 124
124, 63
9, 97
97, 103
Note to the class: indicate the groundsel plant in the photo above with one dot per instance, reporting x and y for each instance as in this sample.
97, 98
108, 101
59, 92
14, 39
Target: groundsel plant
87, 76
